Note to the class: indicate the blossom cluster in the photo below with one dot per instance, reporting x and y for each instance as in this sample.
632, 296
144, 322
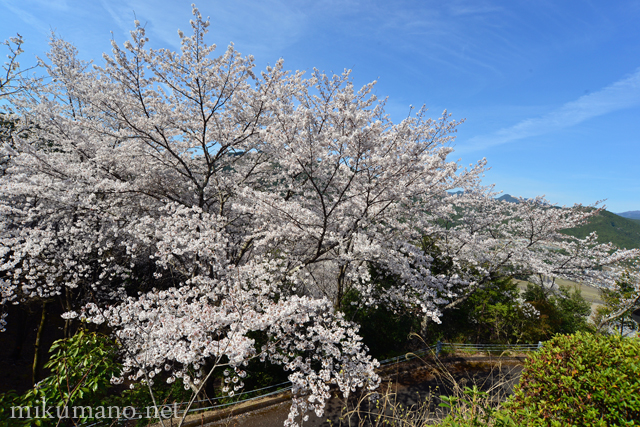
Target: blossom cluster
208, 323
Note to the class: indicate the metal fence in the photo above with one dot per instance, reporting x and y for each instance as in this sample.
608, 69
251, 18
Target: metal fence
439, 347
487, 348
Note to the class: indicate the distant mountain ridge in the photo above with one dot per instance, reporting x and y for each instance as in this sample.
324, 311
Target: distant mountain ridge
508, 198
505, 197
630, 214
623, 230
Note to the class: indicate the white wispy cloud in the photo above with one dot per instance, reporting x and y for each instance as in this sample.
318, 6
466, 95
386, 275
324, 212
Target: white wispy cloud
620, 95
115, 12
264, 29
26, 16
257, 27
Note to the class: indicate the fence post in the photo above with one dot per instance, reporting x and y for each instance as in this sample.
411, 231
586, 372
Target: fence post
438, 347
539, 345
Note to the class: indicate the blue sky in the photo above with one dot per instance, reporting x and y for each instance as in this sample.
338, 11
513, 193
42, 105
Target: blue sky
550, 90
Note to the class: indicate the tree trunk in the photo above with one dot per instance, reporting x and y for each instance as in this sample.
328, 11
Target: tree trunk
341, 284
36, 355
424, 326
67, 306
621, 325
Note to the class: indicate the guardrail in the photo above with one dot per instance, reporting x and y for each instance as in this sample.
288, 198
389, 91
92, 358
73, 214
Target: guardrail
436, 350
490, 348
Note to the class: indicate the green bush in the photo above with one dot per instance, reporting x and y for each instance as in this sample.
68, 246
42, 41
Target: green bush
80, 368
580, 380
80, 371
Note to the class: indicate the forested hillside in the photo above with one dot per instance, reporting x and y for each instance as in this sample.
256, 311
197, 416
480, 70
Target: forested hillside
623, 232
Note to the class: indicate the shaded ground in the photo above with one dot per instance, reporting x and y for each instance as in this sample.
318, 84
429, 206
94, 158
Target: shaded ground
412, 384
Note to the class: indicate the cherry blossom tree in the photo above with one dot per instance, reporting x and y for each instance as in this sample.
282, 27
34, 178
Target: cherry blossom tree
188, 202
12, 77
13, 80
490, 238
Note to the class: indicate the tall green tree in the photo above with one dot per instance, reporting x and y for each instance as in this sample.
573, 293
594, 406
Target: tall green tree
495, 313
562, 312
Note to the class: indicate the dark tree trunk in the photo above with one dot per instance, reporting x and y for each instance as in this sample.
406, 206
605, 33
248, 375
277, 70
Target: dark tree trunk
36, 356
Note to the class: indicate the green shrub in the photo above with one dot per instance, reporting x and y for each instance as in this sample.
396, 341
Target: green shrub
80, 368
580, 380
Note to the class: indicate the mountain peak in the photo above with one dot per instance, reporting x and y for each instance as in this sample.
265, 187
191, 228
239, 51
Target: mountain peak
508, 198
